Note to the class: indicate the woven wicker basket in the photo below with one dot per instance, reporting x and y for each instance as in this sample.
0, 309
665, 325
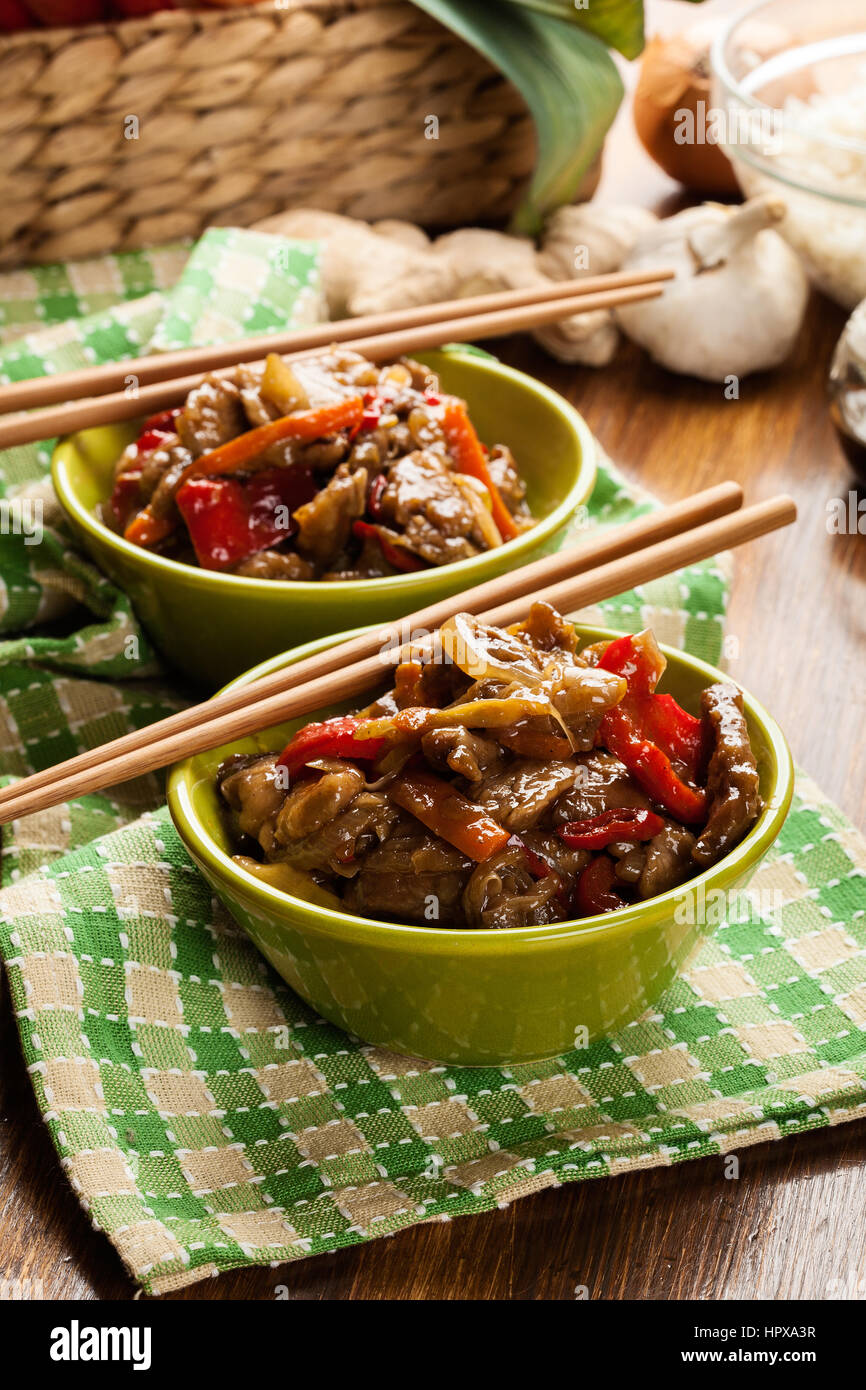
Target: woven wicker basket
240, 113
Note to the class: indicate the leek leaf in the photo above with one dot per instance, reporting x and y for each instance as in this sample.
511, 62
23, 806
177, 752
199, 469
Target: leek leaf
569, 82
618, 22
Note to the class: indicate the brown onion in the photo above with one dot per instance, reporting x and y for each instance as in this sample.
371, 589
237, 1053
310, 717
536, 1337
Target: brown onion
674, 78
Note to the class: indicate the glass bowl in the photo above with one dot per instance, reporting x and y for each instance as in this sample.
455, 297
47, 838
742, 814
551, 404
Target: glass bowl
789, 99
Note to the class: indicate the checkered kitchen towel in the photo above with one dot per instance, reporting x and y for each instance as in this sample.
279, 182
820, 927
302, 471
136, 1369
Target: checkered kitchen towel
205, 1116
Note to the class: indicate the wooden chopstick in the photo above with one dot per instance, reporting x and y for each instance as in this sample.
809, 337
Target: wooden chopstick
118, 406
161, 366
656, 526
354, 678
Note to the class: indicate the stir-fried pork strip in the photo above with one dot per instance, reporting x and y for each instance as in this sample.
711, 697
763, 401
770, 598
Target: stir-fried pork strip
427, 875
466, 797
664, 862
458, 750
252, 787
600, 783
732, 779
503, 470
669, 861
503, 893
213, 414
519, 796
315, 801
423, 498
340, 844
545, 630
276, 564
361, 470
547, 846
325, 524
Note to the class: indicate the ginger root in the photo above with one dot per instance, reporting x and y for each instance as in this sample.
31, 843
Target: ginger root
393, 265
735, 306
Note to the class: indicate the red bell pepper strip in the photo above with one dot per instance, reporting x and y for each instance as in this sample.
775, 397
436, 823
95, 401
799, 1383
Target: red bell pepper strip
396, 555
651, 767
538, 867
341, 737
164, 420
373, 408
449, 815
303, 425
619, 823
658, 717
374, 496
595, 892
228, 520
124, 500
152, 439
629, 658
468, 453
682, 736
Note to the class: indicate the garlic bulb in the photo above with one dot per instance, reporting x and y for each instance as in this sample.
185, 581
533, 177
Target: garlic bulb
737, 303
586, 239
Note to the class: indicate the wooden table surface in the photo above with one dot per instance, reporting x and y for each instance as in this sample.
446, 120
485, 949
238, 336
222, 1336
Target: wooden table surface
791, 1225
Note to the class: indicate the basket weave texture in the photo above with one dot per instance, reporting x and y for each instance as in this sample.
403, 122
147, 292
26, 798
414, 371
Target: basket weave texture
135, 133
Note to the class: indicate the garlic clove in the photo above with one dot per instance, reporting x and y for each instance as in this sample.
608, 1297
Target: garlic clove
714, 242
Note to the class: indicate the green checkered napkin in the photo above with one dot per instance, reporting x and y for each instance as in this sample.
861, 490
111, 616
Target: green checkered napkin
206, 1117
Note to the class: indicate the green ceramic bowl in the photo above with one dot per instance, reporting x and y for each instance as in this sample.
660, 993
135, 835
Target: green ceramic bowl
478, 998
214, 626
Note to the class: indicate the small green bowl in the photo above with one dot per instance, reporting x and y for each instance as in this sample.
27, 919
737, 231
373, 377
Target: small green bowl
478, 998
214, 626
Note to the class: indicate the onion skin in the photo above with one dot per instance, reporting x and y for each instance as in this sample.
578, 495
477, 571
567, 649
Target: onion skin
674, 77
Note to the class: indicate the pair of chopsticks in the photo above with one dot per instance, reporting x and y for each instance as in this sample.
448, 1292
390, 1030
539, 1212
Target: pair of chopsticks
596, 569
99, 395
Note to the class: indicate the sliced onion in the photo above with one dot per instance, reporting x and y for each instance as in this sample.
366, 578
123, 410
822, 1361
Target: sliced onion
645, 642
491, 714
588, 690
483, 653
287, 879
475, 493
281, 387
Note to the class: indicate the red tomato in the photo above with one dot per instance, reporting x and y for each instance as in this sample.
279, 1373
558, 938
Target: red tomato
57, 14
14, 16
133, 9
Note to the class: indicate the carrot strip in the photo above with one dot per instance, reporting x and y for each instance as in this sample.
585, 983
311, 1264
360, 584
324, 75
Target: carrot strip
449, 815
468, 454
146, 529
305, 425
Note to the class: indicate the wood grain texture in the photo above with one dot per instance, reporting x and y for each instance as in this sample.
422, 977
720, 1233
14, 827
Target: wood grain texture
790, 1225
